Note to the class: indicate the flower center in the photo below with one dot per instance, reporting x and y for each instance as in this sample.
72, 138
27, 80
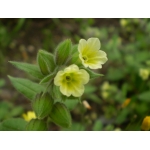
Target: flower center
68, 78
85, 58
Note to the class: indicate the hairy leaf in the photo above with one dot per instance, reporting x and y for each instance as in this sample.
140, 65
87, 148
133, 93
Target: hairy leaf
29, 68
13, 124
28, 88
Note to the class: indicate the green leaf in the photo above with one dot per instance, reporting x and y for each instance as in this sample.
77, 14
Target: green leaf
28, 88
109, 127
90, 89
4, 113
61, 115
94, 98
2, 82
48, 78
121, 117
115, 75
16, 111
13, 124
63, 51
93, 74
145, 96
46, 62
30, 69
5, 108
1, 128
98, 125
71, 104
75, 127
143, 56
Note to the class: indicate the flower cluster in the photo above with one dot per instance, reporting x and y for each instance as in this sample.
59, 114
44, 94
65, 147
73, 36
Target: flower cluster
72, 79
62, 76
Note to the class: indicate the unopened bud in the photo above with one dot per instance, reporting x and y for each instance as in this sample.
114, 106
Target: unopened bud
46, 62
36, 125
42, 105
63, 51
61, 115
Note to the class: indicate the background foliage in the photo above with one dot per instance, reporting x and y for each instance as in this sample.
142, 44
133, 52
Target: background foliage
118, 101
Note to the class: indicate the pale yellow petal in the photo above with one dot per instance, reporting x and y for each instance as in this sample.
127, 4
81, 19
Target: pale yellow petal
97, 60
77, 91
65, 90
95, 66
72, 68
93, 43
96, 54
82, 45
58, 78
102, 53
103, 60
85, 76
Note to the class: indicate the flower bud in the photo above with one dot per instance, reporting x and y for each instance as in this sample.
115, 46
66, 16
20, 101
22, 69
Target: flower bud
63, 51
42, 105
46, 62
36, 125
75, 57
61, 115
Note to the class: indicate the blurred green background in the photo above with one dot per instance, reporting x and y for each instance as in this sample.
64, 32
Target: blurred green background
117, 101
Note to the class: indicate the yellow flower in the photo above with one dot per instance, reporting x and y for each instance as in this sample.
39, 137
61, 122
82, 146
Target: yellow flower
144, 73
90, 54
71, 81
146, 123
30, 115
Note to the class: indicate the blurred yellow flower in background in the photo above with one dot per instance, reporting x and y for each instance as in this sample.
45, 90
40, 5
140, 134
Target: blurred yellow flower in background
30, 115
71, 81
105, 89
144, 73
123, 22
146, 123
108, 90
126, 102
90, 54
106, 86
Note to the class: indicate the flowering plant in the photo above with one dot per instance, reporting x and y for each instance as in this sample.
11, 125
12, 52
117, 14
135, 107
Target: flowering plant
61, 76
